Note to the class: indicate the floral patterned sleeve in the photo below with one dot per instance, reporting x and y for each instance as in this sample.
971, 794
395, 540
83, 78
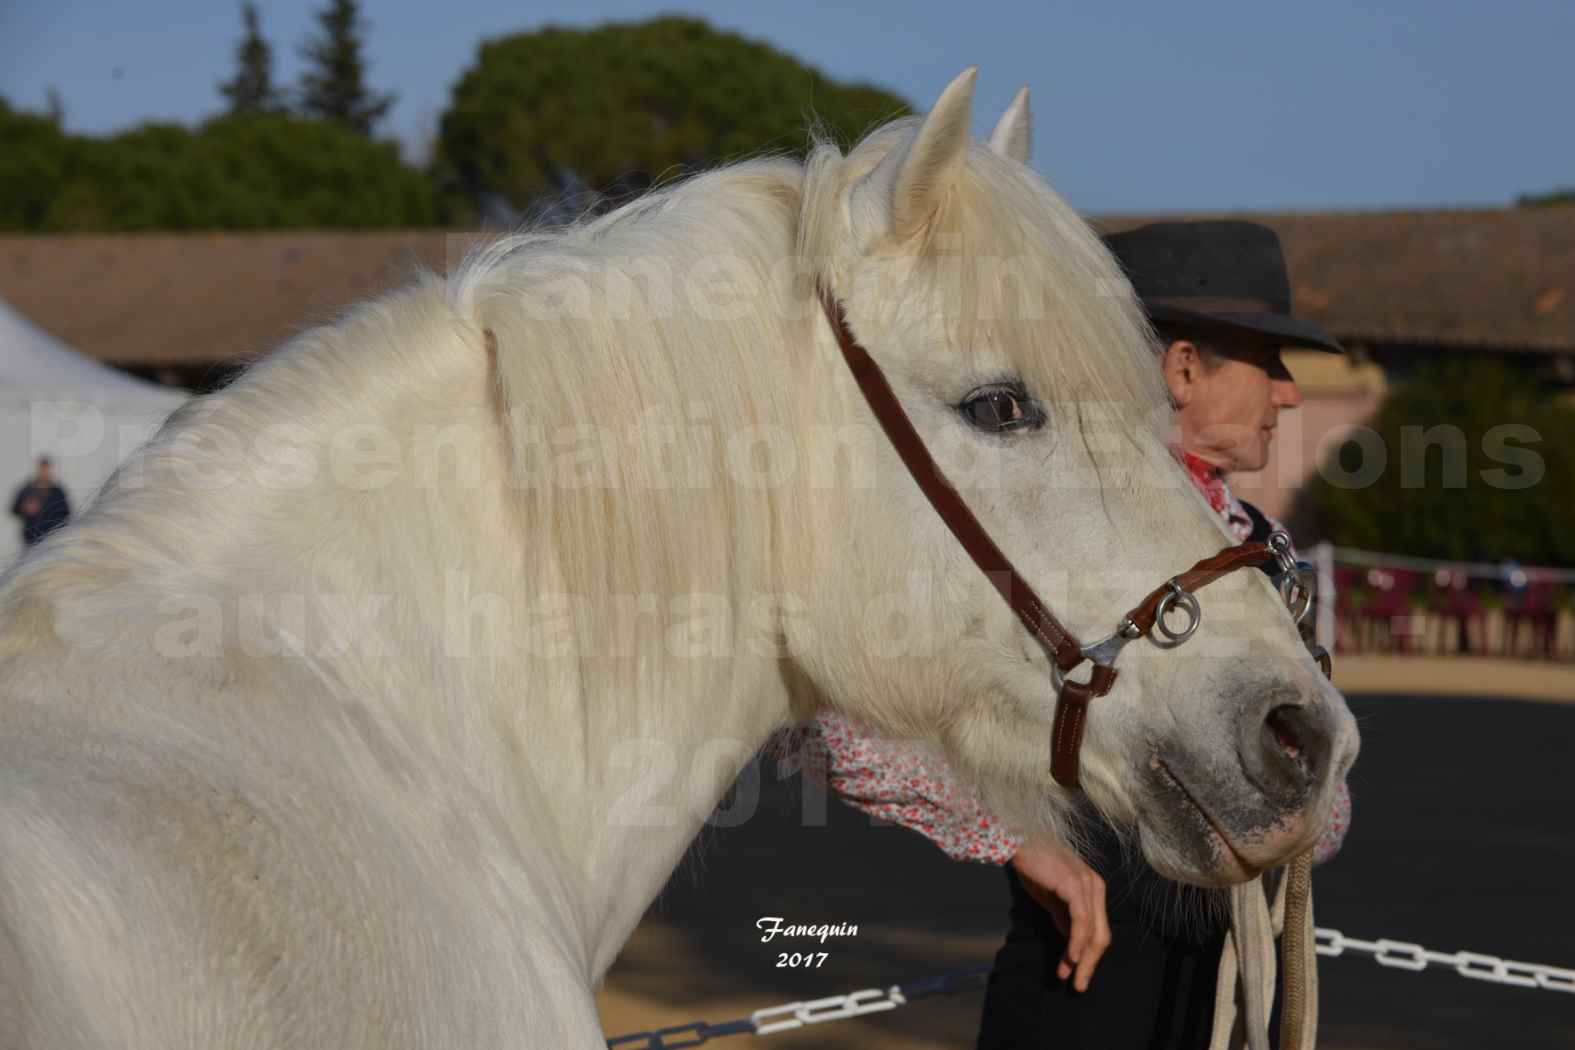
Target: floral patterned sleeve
903, 782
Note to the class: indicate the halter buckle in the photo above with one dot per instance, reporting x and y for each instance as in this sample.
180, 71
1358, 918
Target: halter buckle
1102, 653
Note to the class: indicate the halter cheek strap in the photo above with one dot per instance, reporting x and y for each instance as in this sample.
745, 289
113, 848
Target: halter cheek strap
1057, 642
1060, 645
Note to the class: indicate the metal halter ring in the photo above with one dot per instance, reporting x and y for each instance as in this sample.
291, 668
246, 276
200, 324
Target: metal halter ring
1296, 594
1293, 578
1280, 544
1176, 598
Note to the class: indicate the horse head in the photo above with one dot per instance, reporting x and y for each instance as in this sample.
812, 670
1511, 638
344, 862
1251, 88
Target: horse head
1017, 349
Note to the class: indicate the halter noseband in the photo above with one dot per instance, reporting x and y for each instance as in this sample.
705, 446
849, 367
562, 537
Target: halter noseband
1061, 646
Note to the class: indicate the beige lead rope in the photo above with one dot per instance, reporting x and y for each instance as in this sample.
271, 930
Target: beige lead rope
1245, 985
1247, 962
1299, 949
1298, 941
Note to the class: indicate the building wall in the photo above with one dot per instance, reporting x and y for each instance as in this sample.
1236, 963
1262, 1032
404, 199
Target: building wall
1338, 395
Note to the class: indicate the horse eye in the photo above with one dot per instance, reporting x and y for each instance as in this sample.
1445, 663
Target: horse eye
1001, 407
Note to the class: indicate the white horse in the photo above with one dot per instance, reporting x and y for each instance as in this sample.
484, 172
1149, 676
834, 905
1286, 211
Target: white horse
376, 698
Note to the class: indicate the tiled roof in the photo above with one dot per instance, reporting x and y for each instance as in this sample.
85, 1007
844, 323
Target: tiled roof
154, 299
1501, 279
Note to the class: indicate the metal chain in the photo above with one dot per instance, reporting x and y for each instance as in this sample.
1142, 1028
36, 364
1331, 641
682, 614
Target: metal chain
796, 1015
1403, 955
832, 1008
692, 1034
1399, 955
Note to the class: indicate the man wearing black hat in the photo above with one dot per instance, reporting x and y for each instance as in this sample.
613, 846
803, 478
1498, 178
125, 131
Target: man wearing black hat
1218, 295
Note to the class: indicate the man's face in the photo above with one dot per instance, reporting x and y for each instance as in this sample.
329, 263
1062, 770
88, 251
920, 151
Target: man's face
1227, 409
46, 474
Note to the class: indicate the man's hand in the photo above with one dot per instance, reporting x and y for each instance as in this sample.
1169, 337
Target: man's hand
1074, 895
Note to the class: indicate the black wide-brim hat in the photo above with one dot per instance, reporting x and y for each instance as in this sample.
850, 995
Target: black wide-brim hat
1216, 274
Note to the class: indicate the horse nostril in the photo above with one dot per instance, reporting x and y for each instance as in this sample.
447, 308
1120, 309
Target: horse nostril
1291, 735
1279, 722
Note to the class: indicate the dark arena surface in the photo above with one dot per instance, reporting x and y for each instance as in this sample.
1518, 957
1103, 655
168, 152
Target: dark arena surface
1463, 838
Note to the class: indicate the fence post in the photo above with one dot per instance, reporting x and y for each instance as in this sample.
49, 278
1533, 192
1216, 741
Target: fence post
1323, 559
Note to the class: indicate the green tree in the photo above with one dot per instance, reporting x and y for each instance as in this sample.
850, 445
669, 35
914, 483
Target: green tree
251, 90
34, 156
1546, 200
1478, 463
334, 84
285, 171
630, 103
239, 171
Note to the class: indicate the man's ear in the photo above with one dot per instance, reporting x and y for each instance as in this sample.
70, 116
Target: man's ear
1182, 365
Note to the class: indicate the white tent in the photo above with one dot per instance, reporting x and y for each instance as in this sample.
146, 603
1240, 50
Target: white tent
85, 416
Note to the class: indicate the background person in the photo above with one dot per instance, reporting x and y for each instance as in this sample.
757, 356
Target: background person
41, 504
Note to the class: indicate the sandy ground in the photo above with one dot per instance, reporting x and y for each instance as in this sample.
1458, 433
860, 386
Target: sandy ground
1456, 676
1462, 839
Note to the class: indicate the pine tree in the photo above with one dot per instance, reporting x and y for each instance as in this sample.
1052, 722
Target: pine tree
252, 90
334, 86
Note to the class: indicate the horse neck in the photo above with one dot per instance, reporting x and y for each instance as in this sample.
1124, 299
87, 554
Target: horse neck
604, 654
654, 660
587, 666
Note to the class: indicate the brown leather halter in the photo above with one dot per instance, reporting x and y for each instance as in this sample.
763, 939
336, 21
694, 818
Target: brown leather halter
1060, 645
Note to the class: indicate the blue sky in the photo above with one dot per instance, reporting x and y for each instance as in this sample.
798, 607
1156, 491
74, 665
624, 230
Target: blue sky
1139, 106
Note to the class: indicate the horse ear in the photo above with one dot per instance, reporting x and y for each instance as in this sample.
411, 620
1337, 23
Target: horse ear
1013, 136
913, 180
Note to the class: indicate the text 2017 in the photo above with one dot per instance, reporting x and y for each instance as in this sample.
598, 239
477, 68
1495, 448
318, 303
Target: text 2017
808, 960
